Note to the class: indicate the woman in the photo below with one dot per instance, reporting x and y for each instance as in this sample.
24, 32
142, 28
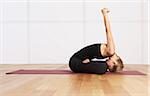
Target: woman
82, 61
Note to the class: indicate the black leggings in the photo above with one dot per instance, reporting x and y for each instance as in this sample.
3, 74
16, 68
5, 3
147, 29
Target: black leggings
96, 67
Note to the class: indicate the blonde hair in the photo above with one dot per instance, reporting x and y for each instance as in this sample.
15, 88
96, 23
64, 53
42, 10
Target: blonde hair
119, 64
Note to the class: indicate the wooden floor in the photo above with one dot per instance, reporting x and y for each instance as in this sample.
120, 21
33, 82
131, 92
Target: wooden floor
72, 85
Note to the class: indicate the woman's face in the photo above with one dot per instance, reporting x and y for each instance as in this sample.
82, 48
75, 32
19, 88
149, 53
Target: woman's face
110, 63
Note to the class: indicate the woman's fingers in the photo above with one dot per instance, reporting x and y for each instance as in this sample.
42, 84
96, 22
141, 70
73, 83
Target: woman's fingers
105, 10
86, 61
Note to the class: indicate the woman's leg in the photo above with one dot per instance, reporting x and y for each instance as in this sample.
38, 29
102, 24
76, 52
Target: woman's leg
93, 67
76, 65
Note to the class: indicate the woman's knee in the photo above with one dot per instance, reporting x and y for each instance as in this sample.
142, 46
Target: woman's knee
73, 64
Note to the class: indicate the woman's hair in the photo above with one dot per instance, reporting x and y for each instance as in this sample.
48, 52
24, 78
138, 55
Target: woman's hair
118, 66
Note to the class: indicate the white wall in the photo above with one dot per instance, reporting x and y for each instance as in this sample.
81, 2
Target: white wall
50, 32
1, 37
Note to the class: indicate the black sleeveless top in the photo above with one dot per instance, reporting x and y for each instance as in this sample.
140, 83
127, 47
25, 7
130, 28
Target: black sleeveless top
90, 52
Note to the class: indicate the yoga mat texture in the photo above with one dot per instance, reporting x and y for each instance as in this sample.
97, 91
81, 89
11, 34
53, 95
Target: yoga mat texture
69, 72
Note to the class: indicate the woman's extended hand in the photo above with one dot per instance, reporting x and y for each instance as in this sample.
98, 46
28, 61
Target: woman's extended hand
86, 61
105, 10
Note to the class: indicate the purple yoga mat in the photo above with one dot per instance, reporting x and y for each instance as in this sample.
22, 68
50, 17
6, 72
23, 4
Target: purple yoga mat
69, 72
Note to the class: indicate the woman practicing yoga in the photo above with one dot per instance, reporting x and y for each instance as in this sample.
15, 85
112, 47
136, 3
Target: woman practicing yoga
82, 61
